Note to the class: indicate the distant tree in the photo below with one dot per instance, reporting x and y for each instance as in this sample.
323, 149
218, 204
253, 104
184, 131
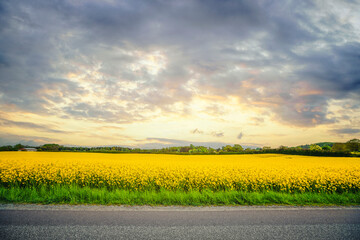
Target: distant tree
203, 149
321, 144
136, 150
298, 148
314, 147
50, 147
212, 150
185, 149
228, 148
174, 149
18, 146
339, 147
237, 148
353, 145
199, 149
326, 148
7, 148
126, 150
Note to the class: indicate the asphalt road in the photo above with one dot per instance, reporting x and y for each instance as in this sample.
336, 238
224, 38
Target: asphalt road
96, 222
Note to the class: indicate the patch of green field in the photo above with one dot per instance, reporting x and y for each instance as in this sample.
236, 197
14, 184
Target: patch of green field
72, 194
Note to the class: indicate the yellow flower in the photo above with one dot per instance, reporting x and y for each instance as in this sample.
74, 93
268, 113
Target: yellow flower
183, 172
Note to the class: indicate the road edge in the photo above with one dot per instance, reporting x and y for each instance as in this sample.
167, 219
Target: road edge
90, 207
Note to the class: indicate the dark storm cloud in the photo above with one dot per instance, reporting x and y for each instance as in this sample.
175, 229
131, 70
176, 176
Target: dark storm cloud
167, 22
336, 70
301, 53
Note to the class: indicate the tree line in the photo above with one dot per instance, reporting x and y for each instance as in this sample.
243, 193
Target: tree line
349, 148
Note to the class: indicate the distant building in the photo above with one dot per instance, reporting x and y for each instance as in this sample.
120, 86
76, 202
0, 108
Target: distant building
28, 149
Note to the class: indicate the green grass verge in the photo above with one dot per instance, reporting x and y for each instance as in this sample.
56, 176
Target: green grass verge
84, 195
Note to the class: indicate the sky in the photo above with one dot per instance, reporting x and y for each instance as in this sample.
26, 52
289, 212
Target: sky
161, 73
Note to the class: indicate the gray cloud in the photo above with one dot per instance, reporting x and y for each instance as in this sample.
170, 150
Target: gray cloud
217, 134
213, 133
335, 71
346, 131
101, 112
256, 120
29, 125
11, 139
197, 131
291, 58
240, 135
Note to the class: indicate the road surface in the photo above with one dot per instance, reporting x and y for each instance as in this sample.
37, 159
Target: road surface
118, 222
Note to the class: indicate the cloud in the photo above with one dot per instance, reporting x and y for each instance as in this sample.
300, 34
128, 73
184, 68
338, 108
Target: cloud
12, 139
101, 112
197, 131
256, 120
240, 135
29, 125
213, 133
346, 131
130, 61
335, 70
217, 134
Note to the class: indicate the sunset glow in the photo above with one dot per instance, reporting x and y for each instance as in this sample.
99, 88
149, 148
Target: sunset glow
172, 73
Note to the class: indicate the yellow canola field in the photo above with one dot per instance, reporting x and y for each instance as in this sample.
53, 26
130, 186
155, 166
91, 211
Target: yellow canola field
258, 172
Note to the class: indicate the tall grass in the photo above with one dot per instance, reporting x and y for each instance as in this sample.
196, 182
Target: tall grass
73, 194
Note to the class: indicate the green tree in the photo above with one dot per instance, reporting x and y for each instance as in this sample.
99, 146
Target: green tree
326, 148
339, 147
212, 150
353, 145
203, 149
50, 147
228, 148
7, 148
18, 146
185, 149
237, 148
314, 147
